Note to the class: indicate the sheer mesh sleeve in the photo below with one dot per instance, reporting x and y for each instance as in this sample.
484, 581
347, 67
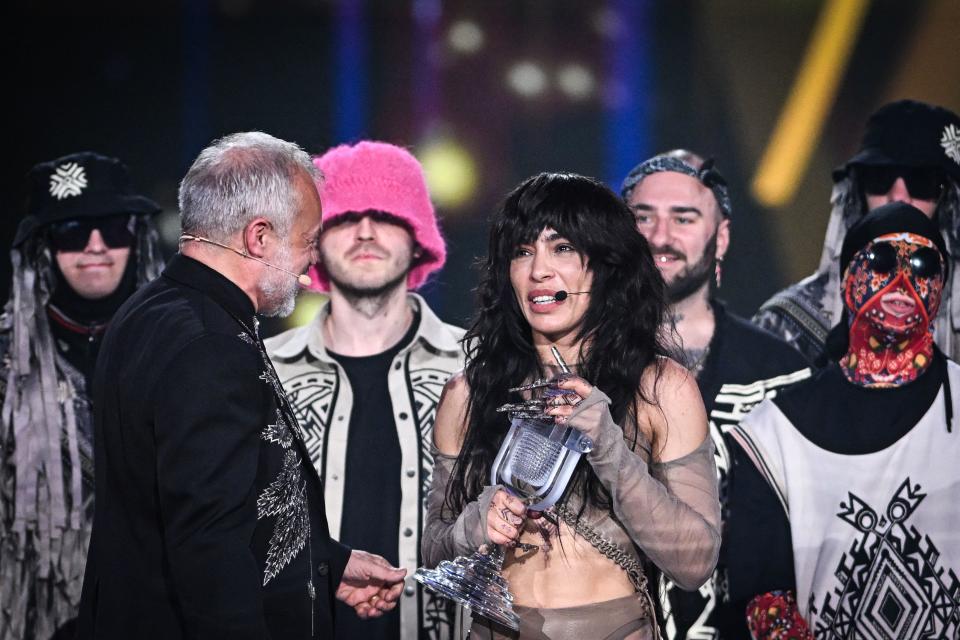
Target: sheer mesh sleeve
672, 511
446, 536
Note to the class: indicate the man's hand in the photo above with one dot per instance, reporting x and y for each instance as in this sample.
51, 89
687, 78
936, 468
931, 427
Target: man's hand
370, 585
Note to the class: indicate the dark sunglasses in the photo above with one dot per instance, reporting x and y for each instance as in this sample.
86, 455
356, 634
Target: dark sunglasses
923, 184
74, 235
924, 262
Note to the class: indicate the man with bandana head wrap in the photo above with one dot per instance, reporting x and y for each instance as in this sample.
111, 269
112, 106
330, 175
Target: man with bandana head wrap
682, 206
849, 513
910, 153
86, 244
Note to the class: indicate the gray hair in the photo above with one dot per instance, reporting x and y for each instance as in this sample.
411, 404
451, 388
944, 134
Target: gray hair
240, 177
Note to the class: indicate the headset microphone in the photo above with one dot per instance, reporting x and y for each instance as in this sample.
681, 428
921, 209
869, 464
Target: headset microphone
561, 295
303, 279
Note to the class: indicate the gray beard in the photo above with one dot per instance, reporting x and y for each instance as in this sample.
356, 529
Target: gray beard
285, 304
280, 289
369, 300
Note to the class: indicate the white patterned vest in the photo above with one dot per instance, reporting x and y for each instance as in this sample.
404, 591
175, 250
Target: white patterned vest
876, 537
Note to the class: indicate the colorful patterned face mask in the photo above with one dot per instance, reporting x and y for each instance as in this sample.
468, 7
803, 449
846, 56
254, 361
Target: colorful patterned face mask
892, 290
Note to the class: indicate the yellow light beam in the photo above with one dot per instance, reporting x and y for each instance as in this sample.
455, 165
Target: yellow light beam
800, 124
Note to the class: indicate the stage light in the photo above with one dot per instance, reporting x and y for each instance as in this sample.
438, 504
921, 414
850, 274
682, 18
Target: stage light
797, 133
608, 23
527, 79
308, 305
451, 172
576, 81
465, 36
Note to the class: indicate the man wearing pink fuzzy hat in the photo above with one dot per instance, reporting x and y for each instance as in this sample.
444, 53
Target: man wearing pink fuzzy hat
366, 374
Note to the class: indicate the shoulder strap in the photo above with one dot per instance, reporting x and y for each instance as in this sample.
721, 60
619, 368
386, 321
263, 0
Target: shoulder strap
804, 318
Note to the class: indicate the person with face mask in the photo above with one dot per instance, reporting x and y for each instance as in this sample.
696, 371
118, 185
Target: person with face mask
910, 152
850, 514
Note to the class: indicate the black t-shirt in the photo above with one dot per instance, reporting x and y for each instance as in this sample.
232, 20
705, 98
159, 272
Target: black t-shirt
372, 494
837, 416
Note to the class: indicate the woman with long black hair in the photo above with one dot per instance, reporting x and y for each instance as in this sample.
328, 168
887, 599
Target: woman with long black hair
647, 491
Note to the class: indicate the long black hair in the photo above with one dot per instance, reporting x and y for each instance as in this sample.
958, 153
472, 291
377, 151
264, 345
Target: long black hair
619, 335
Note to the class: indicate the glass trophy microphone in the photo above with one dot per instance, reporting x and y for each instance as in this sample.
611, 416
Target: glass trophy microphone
535, 463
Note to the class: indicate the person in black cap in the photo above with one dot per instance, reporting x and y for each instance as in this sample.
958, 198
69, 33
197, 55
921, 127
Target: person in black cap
910, 153
681, 205
845, 498
86, 244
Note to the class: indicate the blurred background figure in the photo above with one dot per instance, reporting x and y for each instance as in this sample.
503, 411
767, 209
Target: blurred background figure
486, 94
682, 206
910, 153
86, 244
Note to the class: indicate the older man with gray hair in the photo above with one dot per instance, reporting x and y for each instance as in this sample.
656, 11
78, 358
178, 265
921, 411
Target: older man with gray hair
210, 518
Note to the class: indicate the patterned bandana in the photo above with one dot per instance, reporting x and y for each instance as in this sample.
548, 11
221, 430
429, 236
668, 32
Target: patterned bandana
892, 291
707, 175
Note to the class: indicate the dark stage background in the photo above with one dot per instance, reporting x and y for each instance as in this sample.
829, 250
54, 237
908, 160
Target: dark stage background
485, 94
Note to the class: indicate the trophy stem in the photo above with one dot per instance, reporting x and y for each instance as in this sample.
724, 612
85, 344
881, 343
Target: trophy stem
475, 582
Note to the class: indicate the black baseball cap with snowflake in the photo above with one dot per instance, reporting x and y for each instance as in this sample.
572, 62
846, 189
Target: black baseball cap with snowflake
909, 133
79, 185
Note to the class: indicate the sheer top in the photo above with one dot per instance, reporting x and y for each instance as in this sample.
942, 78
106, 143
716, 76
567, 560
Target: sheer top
669, 512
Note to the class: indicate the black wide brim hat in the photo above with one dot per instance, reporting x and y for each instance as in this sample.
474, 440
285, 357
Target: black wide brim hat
80, 185
909, 133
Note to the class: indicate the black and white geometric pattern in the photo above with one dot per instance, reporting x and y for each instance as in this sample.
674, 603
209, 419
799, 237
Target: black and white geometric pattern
889, 584
950, 141
68, 180
313, 397
731, 404
426, 385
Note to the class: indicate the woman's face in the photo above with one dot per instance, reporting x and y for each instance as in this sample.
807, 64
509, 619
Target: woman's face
538, 271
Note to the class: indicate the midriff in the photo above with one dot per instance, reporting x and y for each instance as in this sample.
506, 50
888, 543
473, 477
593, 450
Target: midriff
572, 573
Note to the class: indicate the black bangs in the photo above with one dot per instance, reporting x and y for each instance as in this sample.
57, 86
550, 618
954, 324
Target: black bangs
620, 337
581, 209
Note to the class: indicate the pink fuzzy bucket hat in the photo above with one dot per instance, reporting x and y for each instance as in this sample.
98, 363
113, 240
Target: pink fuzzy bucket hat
377, 176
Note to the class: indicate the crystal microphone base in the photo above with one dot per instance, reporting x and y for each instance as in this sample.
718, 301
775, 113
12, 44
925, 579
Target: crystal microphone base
475, 582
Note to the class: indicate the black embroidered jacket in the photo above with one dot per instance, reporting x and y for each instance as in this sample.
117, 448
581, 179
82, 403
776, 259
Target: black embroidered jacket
209, 519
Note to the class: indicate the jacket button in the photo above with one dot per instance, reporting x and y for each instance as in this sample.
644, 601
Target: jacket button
398, 365
411, 473
409, 590
322, 568
403, 415
407, 532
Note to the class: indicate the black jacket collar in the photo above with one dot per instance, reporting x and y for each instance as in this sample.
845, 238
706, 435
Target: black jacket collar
196, 275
